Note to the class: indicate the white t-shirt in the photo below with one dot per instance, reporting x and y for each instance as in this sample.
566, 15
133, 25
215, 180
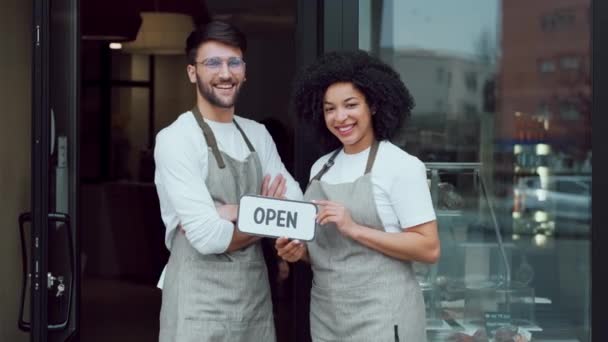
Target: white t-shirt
401, 191
181, 156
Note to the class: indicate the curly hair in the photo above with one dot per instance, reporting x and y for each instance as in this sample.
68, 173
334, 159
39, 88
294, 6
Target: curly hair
382, 87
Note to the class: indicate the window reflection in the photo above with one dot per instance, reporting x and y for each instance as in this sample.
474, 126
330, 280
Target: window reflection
506, 85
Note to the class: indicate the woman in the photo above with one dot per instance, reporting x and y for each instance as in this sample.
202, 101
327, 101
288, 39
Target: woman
375, 210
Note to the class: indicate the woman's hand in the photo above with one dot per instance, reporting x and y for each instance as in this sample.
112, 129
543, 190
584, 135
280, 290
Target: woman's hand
333, 212
291, 251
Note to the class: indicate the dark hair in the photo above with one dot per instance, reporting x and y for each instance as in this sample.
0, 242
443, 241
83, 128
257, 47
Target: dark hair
218, 31
385, 93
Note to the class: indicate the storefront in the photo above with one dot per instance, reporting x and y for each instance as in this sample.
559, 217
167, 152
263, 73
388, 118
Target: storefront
503, 121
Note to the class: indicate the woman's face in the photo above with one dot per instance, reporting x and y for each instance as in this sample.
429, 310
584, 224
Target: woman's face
348, 117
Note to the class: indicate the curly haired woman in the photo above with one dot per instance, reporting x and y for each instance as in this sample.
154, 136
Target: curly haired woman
375, 210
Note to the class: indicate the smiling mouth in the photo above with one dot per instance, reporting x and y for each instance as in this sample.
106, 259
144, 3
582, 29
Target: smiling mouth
345, 130
225, 86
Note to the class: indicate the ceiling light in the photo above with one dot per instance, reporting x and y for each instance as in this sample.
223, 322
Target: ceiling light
161, 33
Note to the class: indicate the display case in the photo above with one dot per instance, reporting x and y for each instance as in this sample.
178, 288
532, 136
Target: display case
471, 290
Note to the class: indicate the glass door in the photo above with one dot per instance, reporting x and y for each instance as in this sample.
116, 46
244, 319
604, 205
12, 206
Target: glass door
49, 295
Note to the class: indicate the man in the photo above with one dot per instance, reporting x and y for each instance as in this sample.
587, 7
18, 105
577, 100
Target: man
215, 286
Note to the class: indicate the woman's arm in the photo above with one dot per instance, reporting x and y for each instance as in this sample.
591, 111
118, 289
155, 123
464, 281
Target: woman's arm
419, 243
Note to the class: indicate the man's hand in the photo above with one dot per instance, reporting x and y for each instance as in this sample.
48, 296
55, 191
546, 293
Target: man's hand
283, 273
228, 212
276, 188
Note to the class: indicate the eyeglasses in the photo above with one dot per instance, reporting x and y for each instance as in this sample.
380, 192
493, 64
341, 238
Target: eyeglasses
235, 64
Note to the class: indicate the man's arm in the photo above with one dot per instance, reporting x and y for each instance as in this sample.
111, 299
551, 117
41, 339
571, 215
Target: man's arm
274, 188
179, 172
241, 240
229, 212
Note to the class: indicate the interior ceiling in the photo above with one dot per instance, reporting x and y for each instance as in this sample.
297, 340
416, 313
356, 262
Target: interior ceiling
119, 17
259, 16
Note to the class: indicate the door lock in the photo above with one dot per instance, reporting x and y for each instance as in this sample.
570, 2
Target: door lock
60, 285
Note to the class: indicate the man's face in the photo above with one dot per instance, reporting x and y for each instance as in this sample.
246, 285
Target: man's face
219, 73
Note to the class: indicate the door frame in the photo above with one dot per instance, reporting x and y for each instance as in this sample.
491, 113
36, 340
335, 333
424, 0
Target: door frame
322, 26
599, 188
41, 156
39, 179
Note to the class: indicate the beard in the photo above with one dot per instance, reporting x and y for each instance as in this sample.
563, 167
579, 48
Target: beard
208, 93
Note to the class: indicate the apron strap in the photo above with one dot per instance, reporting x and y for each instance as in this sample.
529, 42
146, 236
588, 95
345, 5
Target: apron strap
249, 145
326, 167
372, 156
210, 137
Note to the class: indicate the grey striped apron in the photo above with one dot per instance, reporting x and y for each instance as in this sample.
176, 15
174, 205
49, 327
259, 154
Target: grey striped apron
219, 297
359, 294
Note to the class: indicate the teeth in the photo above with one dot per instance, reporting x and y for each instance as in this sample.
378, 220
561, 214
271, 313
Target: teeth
345, 128
224, 86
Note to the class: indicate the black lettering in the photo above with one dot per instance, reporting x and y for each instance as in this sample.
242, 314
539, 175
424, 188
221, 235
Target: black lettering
258, 215
270, 215
281, 218
292, 220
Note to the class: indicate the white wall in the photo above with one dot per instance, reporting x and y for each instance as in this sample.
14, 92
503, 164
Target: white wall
15, 111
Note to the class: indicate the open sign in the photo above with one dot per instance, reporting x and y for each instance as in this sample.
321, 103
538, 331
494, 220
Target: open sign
277, 217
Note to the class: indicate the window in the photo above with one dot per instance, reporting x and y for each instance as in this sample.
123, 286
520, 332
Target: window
543, 110
547, 66
440, 75
568, 110
557, 20
470, 80
569, 63
522, 120
469, 108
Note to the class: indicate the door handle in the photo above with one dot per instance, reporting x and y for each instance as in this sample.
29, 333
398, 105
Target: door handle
23, 218
63, 288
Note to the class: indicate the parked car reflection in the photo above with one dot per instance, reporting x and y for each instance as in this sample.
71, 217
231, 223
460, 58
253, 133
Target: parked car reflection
552, 204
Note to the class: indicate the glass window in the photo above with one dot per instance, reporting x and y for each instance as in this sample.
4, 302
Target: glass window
547, 66
557, 19
569, 110
440, 75
569, 63
508, 154
470, 79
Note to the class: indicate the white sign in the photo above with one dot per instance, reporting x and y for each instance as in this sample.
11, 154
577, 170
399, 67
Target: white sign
277, 218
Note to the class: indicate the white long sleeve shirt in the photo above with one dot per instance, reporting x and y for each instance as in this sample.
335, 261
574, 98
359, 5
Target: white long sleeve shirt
181, 157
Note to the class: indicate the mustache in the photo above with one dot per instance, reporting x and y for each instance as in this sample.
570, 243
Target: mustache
226, 79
